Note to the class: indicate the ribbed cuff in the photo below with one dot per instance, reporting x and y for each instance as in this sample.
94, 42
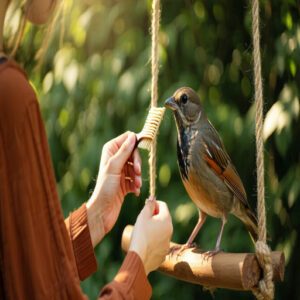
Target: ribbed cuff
82, 243
132, 273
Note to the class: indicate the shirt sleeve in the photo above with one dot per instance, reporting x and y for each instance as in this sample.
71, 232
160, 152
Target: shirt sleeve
130, 283
79, 233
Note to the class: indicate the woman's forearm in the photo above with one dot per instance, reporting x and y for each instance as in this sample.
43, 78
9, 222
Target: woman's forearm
81, 239
39, 11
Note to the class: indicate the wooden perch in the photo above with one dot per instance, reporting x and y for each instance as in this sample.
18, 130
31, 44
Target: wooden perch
239, 271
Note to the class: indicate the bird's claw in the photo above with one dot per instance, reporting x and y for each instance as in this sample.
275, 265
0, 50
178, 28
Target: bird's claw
179, 249
211, 253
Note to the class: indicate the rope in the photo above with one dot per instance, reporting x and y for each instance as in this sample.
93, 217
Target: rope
265, 289
154, 88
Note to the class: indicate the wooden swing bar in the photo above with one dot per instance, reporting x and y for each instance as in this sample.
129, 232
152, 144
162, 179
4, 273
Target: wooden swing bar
237, 271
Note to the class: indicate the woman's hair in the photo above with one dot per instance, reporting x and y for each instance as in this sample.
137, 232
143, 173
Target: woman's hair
16, 39
49, 30
18, 10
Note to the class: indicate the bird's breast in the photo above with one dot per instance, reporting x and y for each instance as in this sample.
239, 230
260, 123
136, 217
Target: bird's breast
204, 187
203, 200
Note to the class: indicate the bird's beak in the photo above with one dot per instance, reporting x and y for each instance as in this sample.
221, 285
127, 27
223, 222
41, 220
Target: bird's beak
170, 103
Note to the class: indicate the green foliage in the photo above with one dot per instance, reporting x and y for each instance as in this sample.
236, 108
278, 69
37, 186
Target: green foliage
96, 86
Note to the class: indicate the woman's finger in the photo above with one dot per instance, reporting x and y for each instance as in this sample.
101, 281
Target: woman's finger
129, 176
119, 140
137, 162
117, 162
138, 182
116, 143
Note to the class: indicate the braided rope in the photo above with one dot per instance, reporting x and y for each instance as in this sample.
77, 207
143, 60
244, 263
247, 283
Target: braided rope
265, 289
154, 87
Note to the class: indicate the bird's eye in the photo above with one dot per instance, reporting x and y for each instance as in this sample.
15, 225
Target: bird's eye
184, 98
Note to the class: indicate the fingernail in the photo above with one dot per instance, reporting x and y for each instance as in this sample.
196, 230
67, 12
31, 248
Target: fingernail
156, 211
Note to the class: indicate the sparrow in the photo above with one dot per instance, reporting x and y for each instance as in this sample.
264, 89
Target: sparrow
207, 172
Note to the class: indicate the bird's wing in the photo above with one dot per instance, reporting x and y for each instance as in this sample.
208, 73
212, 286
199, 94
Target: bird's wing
218, 160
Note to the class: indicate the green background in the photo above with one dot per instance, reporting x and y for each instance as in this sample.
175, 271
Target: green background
95, 84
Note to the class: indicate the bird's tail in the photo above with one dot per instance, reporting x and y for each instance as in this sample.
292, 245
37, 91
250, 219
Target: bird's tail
251, 225
250, 221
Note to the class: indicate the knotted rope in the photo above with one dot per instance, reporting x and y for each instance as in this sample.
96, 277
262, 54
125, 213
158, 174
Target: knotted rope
154, 87
265, 289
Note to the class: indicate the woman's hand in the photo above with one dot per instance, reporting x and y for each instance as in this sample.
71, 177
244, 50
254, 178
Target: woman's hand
119, 174
152, 234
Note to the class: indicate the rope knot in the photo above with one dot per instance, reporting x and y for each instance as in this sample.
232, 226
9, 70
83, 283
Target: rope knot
265, 289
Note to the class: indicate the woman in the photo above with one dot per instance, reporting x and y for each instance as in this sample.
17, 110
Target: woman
41, 255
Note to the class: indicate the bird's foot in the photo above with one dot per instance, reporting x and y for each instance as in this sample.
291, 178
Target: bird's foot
211, 253
179, 249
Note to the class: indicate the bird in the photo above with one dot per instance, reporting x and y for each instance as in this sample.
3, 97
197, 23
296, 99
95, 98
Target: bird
207, 172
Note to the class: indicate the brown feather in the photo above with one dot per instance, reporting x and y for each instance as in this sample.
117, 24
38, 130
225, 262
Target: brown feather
234, 183
221, 160
215, 159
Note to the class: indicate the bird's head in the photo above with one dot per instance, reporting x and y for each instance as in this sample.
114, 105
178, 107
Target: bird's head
186, 106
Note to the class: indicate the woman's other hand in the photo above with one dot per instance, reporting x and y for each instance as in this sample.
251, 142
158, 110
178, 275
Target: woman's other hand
152, 234
119, 174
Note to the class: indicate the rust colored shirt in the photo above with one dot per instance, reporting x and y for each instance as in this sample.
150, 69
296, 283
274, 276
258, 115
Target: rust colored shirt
41, 256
